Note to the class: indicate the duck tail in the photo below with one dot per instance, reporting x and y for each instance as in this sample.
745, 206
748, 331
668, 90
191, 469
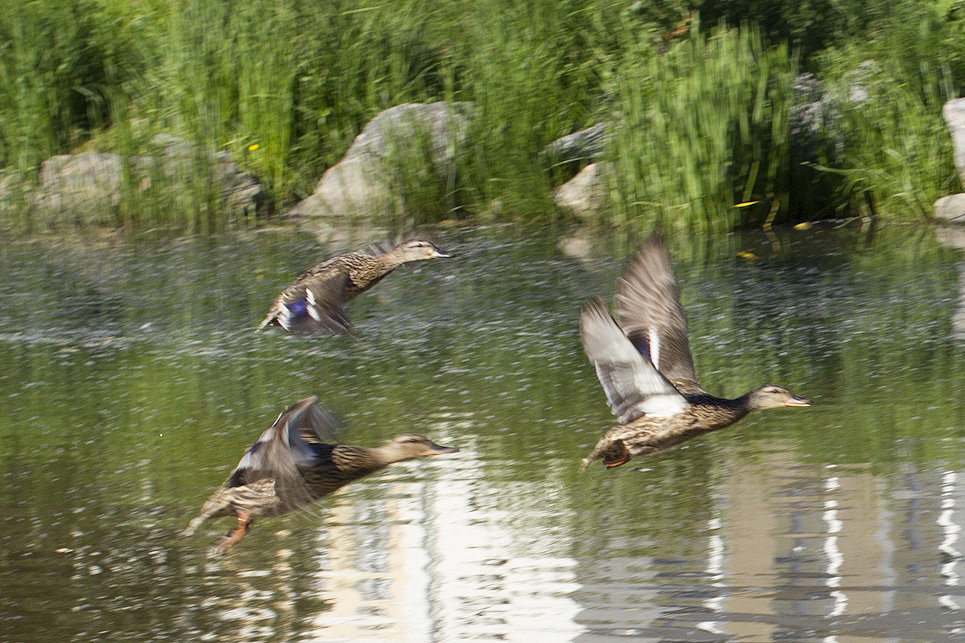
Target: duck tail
267, 320
584, 463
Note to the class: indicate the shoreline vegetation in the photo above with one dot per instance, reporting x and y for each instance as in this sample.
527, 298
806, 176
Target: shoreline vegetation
794, 111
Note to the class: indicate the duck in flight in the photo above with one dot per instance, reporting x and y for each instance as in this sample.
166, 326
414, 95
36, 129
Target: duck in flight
644, 365
314, 301
294, 463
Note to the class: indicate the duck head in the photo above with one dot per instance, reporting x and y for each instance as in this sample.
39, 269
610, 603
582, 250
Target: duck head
418, 250
772, 397
409, 445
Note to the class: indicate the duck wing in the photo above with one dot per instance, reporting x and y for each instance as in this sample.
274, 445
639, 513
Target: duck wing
313, 303
283, 450
632, 385
649, 311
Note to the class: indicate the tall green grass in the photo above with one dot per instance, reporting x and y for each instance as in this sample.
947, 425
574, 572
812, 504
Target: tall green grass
56, 64
698, 121
890, 146
535, 72
701, 129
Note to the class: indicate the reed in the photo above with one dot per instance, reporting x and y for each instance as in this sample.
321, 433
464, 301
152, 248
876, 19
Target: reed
890, 148
54, 66
698, 119
701, 129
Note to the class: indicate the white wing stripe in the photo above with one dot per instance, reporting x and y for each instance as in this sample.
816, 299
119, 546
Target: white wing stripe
312, 309
664, 404
654, 341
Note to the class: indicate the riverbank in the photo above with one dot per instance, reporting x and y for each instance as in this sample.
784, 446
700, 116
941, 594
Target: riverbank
791, 119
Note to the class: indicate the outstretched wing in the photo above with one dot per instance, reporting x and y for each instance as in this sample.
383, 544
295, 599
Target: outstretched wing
649, 311
632, 385
283, 449
313, 303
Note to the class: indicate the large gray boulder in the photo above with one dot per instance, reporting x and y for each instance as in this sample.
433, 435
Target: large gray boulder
954, 113
950, 209
361, 183
589, 143
88, 187
584, 196
85, 185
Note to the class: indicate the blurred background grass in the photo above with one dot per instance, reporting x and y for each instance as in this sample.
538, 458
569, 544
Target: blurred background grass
697, 96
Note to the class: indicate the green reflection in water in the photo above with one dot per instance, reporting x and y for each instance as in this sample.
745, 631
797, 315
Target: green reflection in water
131, 382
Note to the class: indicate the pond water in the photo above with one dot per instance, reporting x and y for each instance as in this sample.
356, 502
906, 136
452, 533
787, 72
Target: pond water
131, 382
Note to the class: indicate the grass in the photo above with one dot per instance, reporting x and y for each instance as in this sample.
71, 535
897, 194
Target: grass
698, 116
701, 129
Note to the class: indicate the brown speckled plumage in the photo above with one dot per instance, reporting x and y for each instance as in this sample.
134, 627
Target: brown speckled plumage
315, 300
646, 369
292, 464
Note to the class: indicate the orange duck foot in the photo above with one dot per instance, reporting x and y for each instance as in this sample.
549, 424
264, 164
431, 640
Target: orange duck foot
620, 458
236, 534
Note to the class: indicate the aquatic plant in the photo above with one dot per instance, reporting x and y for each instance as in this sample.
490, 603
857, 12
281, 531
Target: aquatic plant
699, 116
700, 129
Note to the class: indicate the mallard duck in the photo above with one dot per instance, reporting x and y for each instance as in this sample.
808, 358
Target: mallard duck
292, 464
647, 372
314, 301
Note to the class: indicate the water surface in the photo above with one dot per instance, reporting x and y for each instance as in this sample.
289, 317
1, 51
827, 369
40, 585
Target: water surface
131, 382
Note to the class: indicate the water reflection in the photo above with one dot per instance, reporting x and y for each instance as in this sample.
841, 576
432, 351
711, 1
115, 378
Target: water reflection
841, 523
796, 553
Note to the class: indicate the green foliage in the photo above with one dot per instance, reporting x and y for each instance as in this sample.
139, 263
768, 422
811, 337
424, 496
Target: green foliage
532, 70
698, 118
808, 25
700, 129
895, 156
887, 140
56, 65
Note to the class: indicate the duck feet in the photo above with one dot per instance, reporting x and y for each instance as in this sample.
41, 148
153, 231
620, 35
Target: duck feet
620, 457
236, 534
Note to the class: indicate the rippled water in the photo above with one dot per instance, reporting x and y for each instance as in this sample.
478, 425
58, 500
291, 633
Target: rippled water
131, 382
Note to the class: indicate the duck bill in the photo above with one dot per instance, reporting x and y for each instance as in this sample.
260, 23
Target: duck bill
798, 401
437, 449
441, 254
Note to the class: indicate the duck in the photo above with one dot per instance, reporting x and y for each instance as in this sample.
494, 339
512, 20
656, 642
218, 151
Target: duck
314, 301
645, 367
295, 462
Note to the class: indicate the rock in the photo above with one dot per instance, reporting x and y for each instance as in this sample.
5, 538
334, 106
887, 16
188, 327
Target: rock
585, 194
359, 184
589, 143
859, 80
80, 185
950, 209
952, 237
88, 187
809, 111
242, 195
954, 113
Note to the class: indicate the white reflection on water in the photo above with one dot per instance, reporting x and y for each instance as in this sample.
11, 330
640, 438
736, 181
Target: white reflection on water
814, 553
792, 552
439, 559
715, 569
835, 557
950, 530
